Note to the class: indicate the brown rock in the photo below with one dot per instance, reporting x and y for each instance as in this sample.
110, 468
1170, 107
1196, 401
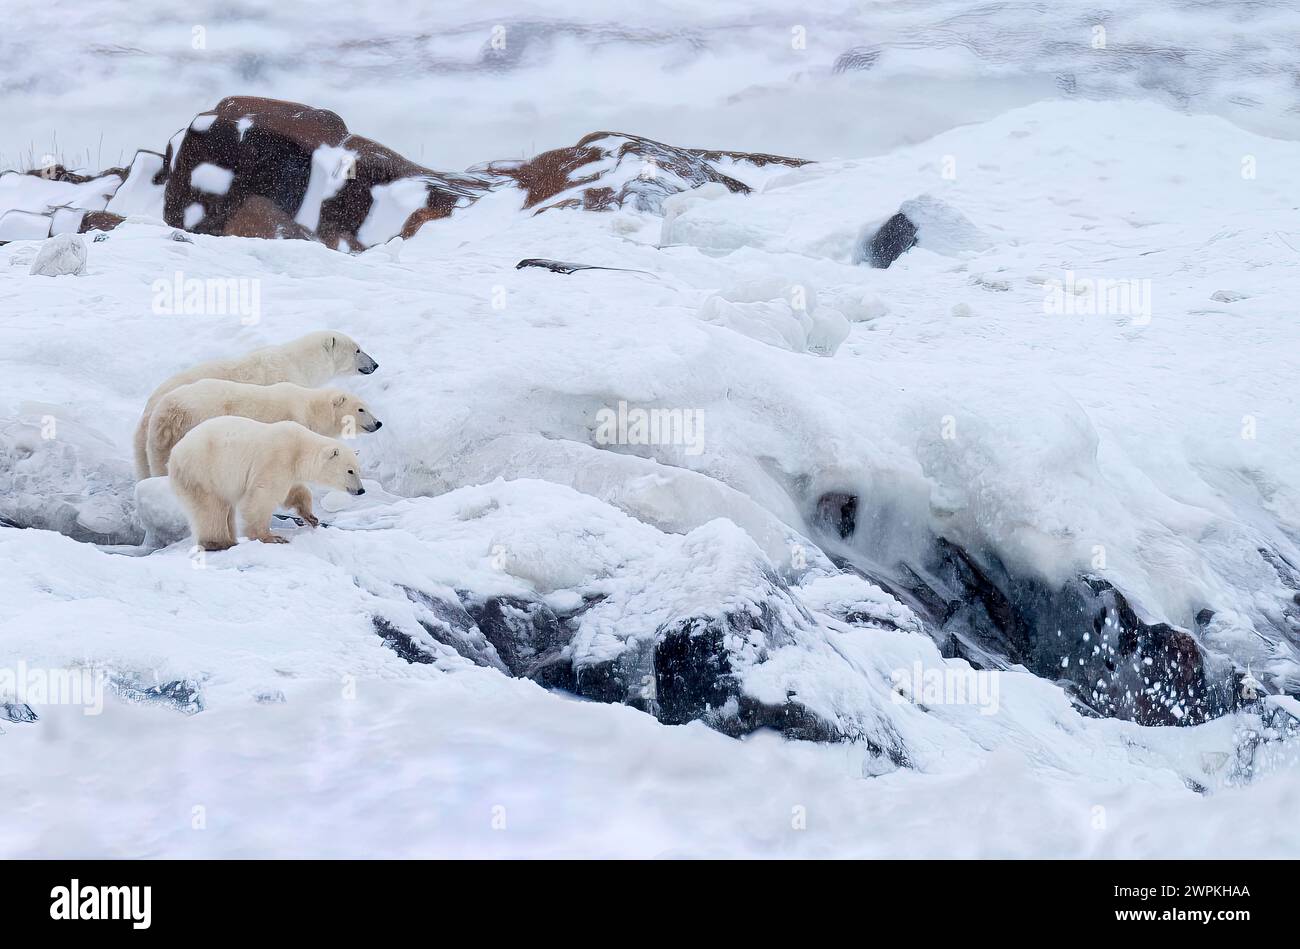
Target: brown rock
649, 171
271, 147
99, 221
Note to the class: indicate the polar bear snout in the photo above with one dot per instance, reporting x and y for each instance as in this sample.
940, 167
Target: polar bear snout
376, 427
365, 364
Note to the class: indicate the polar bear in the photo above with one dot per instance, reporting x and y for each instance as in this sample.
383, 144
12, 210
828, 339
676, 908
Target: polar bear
332, 412
309, 360
230, 464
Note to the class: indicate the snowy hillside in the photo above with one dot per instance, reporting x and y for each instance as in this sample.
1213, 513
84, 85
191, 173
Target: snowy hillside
743, 546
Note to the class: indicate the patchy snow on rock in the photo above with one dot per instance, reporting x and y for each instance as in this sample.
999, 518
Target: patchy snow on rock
213, 179
194, 213
391, 207
331, 167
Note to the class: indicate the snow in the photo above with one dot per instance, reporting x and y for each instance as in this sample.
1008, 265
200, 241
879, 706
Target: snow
391, 205
330, 168
1150, 442
211, 178
138, 195
60, 256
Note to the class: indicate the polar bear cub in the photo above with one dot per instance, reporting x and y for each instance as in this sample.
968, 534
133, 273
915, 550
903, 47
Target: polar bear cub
309, 360
229, 464
331, 412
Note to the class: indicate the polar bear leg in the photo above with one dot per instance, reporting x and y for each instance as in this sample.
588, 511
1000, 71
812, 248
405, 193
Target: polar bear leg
255, 510
299, 499
139, 444
211, 517
167, 426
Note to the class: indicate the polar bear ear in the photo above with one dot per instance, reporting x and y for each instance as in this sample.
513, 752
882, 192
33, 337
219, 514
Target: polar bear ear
334, 453
340, 399
329, 347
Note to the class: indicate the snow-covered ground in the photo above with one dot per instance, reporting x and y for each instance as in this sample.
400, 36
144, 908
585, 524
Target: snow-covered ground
976, 390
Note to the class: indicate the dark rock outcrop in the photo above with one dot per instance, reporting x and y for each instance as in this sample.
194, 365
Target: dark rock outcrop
256, 167
687, 672
1084, 635
837, 511
891, 241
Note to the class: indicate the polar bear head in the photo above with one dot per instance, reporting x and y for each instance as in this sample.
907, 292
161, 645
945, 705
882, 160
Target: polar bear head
346, 354
350, 414
337, 467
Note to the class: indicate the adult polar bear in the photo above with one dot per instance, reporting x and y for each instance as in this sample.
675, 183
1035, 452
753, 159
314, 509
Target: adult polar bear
229, 464
332, 412
307, 361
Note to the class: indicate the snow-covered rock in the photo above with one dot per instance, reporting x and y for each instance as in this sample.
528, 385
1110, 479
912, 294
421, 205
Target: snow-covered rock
60, 256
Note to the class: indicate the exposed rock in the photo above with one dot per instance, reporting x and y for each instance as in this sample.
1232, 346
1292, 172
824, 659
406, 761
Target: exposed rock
526, 634
99, 221
445, 620
887, 244
716, 615
267, 168
256, 167
837, 511
1084, 634
925, 221
607, 170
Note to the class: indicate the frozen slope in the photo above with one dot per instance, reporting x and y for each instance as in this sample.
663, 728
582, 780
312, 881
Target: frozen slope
1103, 443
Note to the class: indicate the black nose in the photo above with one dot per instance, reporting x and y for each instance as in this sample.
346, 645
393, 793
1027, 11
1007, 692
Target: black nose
361, 490
378, 425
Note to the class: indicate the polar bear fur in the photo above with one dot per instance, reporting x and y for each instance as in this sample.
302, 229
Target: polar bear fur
310, 360
229, 464
332, 412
